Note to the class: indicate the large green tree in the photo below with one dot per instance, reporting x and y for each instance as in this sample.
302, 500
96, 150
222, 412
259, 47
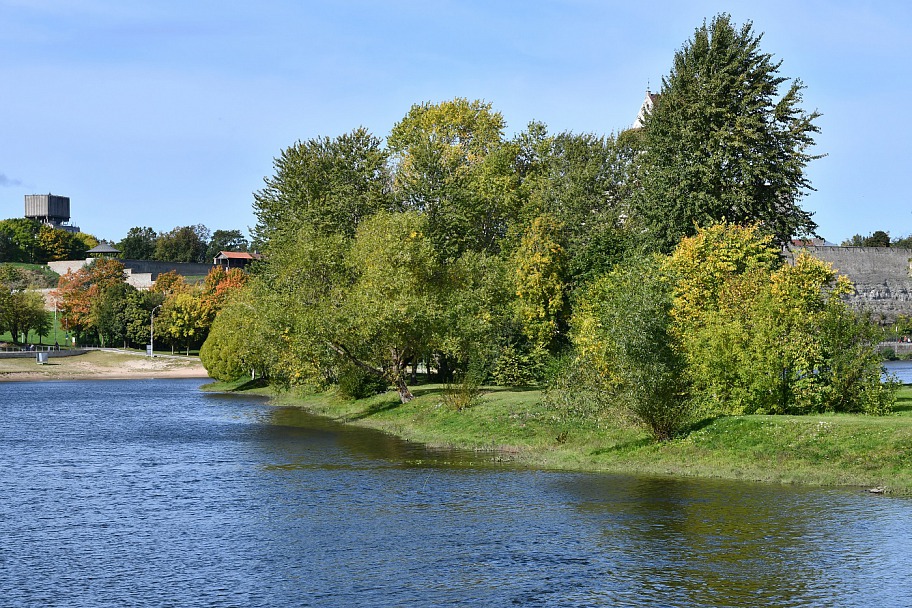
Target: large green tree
139, 244
183, 244
331, 184
453, 166
583, 181
22, 311
726, 140
622, 329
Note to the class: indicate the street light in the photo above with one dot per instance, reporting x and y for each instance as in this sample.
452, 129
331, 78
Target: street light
152, 331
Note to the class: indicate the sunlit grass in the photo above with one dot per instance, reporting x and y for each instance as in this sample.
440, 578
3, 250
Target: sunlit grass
851, 450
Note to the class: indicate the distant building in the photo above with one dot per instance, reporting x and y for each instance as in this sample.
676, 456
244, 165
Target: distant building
646, 108
50, 209
234, 259
103, 250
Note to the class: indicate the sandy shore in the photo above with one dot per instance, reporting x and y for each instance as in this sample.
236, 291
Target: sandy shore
101, 365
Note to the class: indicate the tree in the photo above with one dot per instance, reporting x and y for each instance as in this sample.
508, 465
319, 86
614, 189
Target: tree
904, 242
390, 313
77, 292
220, 284
82, 242
170, 282
621, 328
453, 166
21, 310
330, 184
758, 337
538, 266
139, 244
183, 244
137, 314
108, 314
700, 266
20, 240
583, 181
372, 302
242, 340
719, 144
878, 238
856, 241
185, 319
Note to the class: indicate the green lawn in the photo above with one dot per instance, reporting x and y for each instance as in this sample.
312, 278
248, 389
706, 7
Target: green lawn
34, 338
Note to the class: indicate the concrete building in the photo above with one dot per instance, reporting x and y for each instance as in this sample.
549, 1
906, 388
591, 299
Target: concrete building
50, 209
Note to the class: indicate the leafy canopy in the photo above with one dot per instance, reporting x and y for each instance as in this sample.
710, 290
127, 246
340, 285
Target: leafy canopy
721, 142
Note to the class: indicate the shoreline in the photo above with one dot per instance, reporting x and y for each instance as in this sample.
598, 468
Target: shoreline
869, 454
109, 364
39, 377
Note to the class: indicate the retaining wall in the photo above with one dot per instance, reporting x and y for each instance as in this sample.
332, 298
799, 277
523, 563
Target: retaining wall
881, 276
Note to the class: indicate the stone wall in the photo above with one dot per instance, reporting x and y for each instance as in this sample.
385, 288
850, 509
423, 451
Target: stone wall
141, 274
157, 268
881, 276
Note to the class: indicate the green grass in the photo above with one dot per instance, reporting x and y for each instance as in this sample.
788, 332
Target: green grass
831, 450
34, 338
26, 265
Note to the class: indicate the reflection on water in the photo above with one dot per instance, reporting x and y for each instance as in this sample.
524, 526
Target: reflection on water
151, 493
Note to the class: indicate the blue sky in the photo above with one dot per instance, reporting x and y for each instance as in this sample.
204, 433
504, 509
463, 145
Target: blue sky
169, 113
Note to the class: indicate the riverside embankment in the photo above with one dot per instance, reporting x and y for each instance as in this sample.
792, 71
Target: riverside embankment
822, 450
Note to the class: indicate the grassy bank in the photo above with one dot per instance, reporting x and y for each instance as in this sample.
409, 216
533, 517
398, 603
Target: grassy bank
832, 450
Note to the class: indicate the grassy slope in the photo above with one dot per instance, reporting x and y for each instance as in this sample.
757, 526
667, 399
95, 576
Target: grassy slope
819, 450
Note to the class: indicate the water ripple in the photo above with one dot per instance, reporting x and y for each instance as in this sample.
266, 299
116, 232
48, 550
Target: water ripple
152, 494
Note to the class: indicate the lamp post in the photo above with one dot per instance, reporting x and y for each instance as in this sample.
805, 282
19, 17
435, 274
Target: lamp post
152, 331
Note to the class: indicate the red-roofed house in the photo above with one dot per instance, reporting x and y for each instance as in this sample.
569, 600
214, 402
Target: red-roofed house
234, 259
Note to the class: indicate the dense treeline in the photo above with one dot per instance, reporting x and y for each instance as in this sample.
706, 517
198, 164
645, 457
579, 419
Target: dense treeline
97, 306
878, 238
636, 273
30, 241
196, 244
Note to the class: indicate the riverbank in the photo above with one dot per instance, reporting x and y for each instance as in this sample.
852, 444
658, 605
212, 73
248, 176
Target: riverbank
824, 450
102, 365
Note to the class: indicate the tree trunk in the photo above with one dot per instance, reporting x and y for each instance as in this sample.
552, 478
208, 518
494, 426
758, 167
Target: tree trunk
405, 395
398, 371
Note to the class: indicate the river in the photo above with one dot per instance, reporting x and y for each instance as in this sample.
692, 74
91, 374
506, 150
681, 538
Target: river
152, 493
901, 370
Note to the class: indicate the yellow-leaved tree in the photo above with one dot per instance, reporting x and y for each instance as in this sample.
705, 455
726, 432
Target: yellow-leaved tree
762, 337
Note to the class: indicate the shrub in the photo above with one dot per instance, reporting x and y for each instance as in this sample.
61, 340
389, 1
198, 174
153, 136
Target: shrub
357, 383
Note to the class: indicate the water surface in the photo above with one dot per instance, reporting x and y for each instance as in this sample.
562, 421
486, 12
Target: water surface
150, 493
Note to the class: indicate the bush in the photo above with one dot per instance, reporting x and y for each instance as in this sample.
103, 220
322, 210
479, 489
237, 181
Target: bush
357, 383
519, 366
620, 331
